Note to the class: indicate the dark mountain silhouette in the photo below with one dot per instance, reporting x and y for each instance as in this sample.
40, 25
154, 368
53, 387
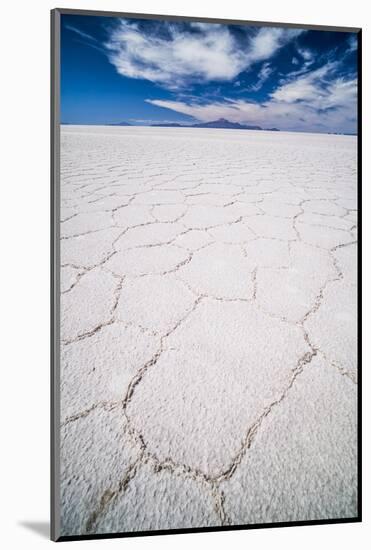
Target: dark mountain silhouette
224, 123
220, 123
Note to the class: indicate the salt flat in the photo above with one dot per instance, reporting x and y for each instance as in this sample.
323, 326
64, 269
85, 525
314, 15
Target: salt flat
208, 327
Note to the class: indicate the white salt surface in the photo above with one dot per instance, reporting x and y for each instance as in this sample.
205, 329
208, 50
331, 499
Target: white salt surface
208, 361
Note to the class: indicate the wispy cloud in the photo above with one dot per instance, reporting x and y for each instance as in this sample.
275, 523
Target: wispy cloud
263, 75
241, 73
81, 33
318, 101
306, 54
353, 44
175, 55
307, 87
320, 89
303, 60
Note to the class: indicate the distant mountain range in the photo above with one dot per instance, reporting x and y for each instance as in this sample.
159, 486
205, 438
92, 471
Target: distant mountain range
123, 123
226, 124
220, 123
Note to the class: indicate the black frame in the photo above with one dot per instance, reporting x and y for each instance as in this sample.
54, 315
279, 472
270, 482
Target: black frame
55, 271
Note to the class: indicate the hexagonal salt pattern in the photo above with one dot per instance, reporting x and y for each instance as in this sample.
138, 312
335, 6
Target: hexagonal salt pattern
217, 356
102, 458
208, 355
158, 499
302, 463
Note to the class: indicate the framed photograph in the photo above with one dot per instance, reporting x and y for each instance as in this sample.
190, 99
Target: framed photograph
206, 191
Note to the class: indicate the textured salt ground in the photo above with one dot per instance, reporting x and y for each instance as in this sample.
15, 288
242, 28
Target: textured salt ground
208, 356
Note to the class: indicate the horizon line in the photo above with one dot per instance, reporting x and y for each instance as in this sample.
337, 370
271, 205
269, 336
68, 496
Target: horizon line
162, 125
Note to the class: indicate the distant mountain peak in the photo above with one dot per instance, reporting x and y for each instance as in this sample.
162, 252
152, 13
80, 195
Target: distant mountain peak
220, 123
123, 123
226, 124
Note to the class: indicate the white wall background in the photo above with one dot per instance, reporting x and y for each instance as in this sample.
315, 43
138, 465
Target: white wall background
24, 254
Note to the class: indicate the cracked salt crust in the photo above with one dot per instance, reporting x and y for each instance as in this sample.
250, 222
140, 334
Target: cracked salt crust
169, 212
159, 197
183, 406
69, 277
119, 351
236, 233
86, 223
205, 199
88, 305
155, 302
333, 327
322, 220
271, 227
208, 361
292, 292
132, 215
279, 208
202, 217
219, 270
325, 207
101, 458
302, 464
159, 500
193, 239
268, 253
150, 234
346, 257
147, 260
314, 234
90, 250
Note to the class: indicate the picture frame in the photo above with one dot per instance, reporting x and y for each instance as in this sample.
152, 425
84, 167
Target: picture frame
355, 476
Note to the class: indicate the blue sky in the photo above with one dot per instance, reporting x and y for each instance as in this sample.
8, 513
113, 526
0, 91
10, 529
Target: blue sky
146, 71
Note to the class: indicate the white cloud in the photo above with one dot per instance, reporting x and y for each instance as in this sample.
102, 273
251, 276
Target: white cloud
306, 54
353, 43
268, 40
307, 59
341, 92
175, 55
263, 75
314, 102
205, 52
319, 89
303, 88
